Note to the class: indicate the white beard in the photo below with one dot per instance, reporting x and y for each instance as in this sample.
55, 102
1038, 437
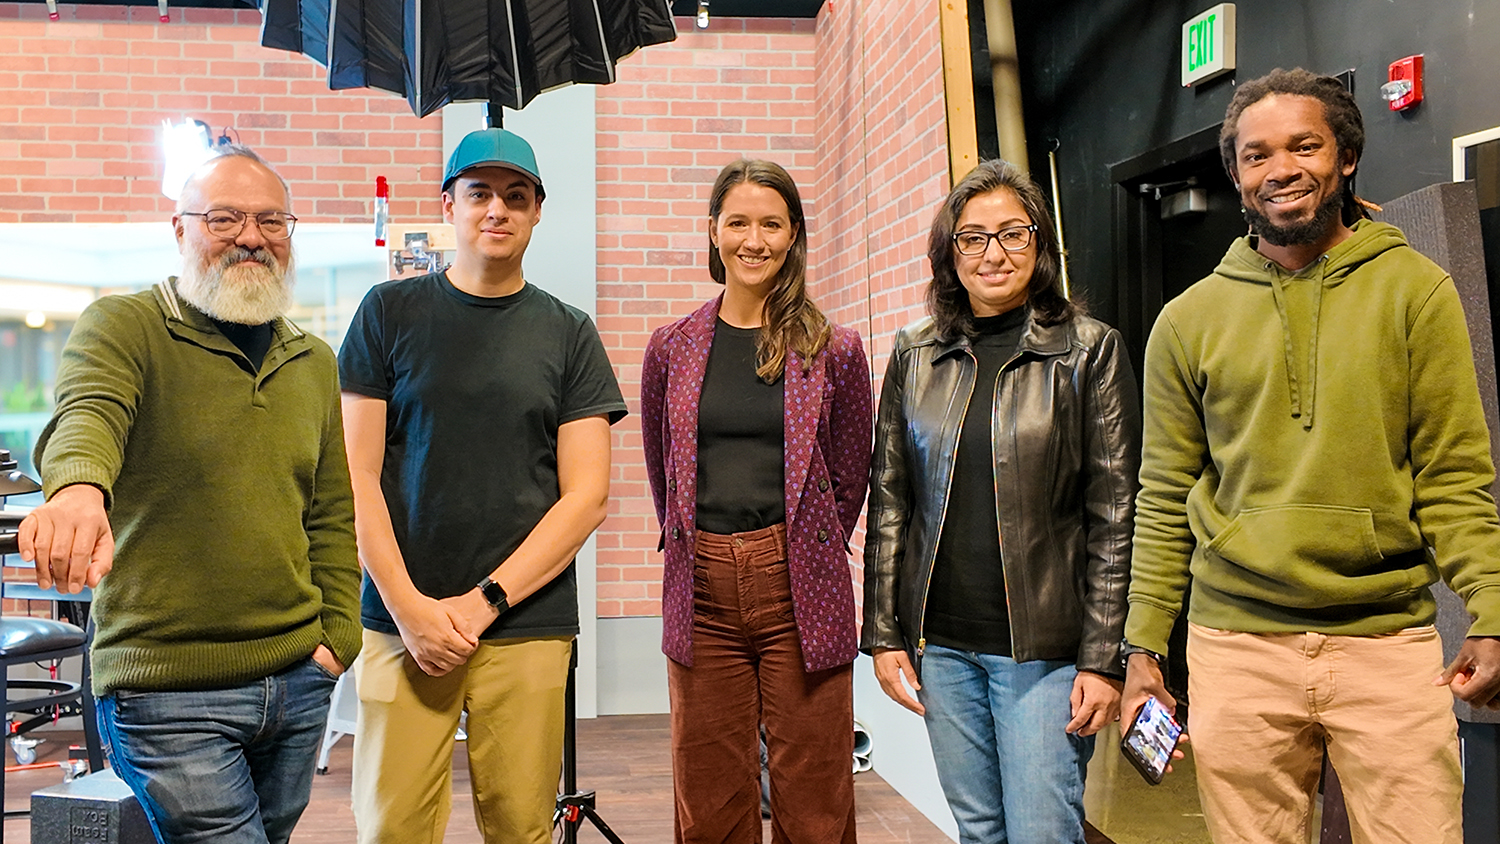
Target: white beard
227, 291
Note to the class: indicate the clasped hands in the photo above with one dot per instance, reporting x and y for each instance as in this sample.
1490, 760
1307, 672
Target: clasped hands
441, 634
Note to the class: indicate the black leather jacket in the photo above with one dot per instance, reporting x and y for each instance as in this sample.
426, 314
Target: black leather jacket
1067, 452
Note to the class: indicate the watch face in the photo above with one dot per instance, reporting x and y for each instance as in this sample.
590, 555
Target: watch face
493, 593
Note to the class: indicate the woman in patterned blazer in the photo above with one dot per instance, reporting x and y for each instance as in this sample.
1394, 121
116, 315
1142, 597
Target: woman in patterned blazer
756, 422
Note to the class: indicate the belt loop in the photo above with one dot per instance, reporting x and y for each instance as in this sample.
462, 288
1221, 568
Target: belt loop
779, 531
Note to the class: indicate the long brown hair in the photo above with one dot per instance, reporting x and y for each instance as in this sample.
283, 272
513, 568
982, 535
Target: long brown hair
947, 300
791, 320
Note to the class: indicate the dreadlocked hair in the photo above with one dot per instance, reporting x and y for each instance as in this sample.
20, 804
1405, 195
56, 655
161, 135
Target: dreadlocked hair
1339, 109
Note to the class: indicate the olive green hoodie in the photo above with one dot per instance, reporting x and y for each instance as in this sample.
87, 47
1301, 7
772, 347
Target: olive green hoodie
1315, 449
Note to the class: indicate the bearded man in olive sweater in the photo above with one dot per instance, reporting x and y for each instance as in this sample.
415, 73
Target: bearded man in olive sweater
201, 431
1315, 453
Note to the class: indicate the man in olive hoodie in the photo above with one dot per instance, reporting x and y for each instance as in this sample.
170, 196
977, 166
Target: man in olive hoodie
200, 429
1316, 455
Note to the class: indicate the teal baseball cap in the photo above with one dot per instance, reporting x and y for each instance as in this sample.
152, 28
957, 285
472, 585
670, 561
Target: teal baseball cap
493, 148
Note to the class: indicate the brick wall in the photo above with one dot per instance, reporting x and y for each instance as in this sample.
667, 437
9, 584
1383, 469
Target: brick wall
679, 113
883, 169
82, 101
883, 153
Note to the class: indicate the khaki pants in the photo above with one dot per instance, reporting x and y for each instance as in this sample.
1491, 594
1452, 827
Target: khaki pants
403, 744
1264, 706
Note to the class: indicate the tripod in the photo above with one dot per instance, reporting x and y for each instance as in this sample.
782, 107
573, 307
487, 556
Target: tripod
573, 806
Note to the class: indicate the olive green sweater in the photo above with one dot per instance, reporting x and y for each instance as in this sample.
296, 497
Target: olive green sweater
1308, 438
228, 493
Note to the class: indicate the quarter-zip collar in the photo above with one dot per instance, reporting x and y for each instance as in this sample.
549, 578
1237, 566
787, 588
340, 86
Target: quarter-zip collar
190, 324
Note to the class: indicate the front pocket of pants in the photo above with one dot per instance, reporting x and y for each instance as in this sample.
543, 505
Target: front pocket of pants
379, 668
777, 589
323, 670
702, 591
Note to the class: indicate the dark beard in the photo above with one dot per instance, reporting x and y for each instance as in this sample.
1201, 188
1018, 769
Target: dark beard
1310, 231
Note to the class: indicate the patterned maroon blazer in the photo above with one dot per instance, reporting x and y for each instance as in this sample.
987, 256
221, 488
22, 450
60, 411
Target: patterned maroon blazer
827, 450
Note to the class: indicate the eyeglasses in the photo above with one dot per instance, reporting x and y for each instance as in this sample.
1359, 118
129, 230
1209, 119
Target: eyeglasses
229, 222
1012, 239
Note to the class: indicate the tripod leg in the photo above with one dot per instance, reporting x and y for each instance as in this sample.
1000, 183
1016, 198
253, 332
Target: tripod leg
573, 806
599, 824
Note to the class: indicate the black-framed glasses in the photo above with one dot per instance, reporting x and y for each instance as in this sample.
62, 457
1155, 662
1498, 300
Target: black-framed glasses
1011, 238
229, 222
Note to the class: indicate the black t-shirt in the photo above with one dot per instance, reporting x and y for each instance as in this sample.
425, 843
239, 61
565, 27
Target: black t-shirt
741, 438
475, 389
253, 340
966, 605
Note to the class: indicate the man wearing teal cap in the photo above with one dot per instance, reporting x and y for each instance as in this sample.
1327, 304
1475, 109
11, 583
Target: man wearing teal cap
477, 411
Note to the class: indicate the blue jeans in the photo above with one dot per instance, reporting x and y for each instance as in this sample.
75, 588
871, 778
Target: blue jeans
1009, 770
232, 766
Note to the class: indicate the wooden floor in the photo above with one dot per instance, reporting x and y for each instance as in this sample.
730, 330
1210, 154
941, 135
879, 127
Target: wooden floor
624, 758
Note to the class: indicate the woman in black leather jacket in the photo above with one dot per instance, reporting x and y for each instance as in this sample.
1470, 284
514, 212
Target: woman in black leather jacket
1001, 504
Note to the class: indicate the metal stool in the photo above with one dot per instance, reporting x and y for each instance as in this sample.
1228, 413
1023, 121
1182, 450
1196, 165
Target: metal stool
24, 639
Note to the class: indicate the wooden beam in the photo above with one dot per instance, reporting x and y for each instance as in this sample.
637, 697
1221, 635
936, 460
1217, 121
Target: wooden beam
958, 89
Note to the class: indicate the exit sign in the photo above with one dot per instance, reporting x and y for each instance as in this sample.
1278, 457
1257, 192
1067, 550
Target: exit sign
1208, 45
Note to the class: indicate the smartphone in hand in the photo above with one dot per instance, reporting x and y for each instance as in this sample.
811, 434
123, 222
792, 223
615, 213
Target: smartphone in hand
1149, 742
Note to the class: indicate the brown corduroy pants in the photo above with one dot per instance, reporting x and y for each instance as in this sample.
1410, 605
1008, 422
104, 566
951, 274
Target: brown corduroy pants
748, 670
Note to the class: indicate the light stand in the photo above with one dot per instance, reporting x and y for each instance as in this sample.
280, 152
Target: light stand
573, 806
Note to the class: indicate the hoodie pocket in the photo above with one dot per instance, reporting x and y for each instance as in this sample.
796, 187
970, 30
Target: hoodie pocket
1306, 555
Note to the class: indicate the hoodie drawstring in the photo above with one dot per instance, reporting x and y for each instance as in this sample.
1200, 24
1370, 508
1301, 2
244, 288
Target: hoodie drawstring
1312, 347
1294, 382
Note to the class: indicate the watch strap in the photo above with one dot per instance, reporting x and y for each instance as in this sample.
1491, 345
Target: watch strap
1128, 650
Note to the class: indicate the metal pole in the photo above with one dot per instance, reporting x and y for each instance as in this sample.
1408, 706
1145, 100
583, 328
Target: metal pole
1062, 247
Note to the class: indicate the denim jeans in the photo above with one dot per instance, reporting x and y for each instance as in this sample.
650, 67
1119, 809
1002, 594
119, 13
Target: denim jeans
232, 766
1009, 770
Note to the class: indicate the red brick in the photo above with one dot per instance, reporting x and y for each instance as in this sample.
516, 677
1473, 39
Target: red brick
157, 49
257, 85
182, 102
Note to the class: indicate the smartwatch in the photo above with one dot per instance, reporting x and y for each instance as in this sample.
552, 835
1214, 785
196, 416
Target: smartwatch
494, 594
1128, 650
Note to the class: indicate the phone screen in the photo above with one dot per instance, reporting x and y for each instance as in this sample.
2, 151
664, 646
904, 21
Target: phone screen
1149, 742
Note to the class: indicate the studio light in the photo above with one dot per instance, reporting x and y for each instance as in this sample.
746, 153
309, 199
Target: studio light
184, 147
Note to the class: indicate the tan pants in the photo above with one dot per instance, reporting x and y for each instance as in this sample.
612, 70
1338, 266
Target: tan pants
1264, 706
403, 744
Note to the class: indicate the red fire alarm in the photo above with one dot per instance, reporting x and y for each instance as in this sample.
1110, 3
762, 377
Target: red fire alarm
1404, 89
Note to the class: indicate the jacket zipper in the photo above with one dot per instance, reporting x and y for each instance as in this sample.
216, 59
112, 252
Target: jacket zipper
943, 517
1010, 617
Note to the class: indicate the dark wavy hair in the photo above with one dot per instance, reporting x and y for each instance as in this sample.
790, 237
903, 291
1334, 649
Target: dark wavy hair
1339, 109
947, 300
791, 320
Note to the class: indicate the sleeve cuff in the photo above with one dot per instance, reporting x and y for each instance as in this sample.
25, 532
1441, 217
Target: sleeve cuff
1484, 606
343, 638
57, 477
1149, 627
